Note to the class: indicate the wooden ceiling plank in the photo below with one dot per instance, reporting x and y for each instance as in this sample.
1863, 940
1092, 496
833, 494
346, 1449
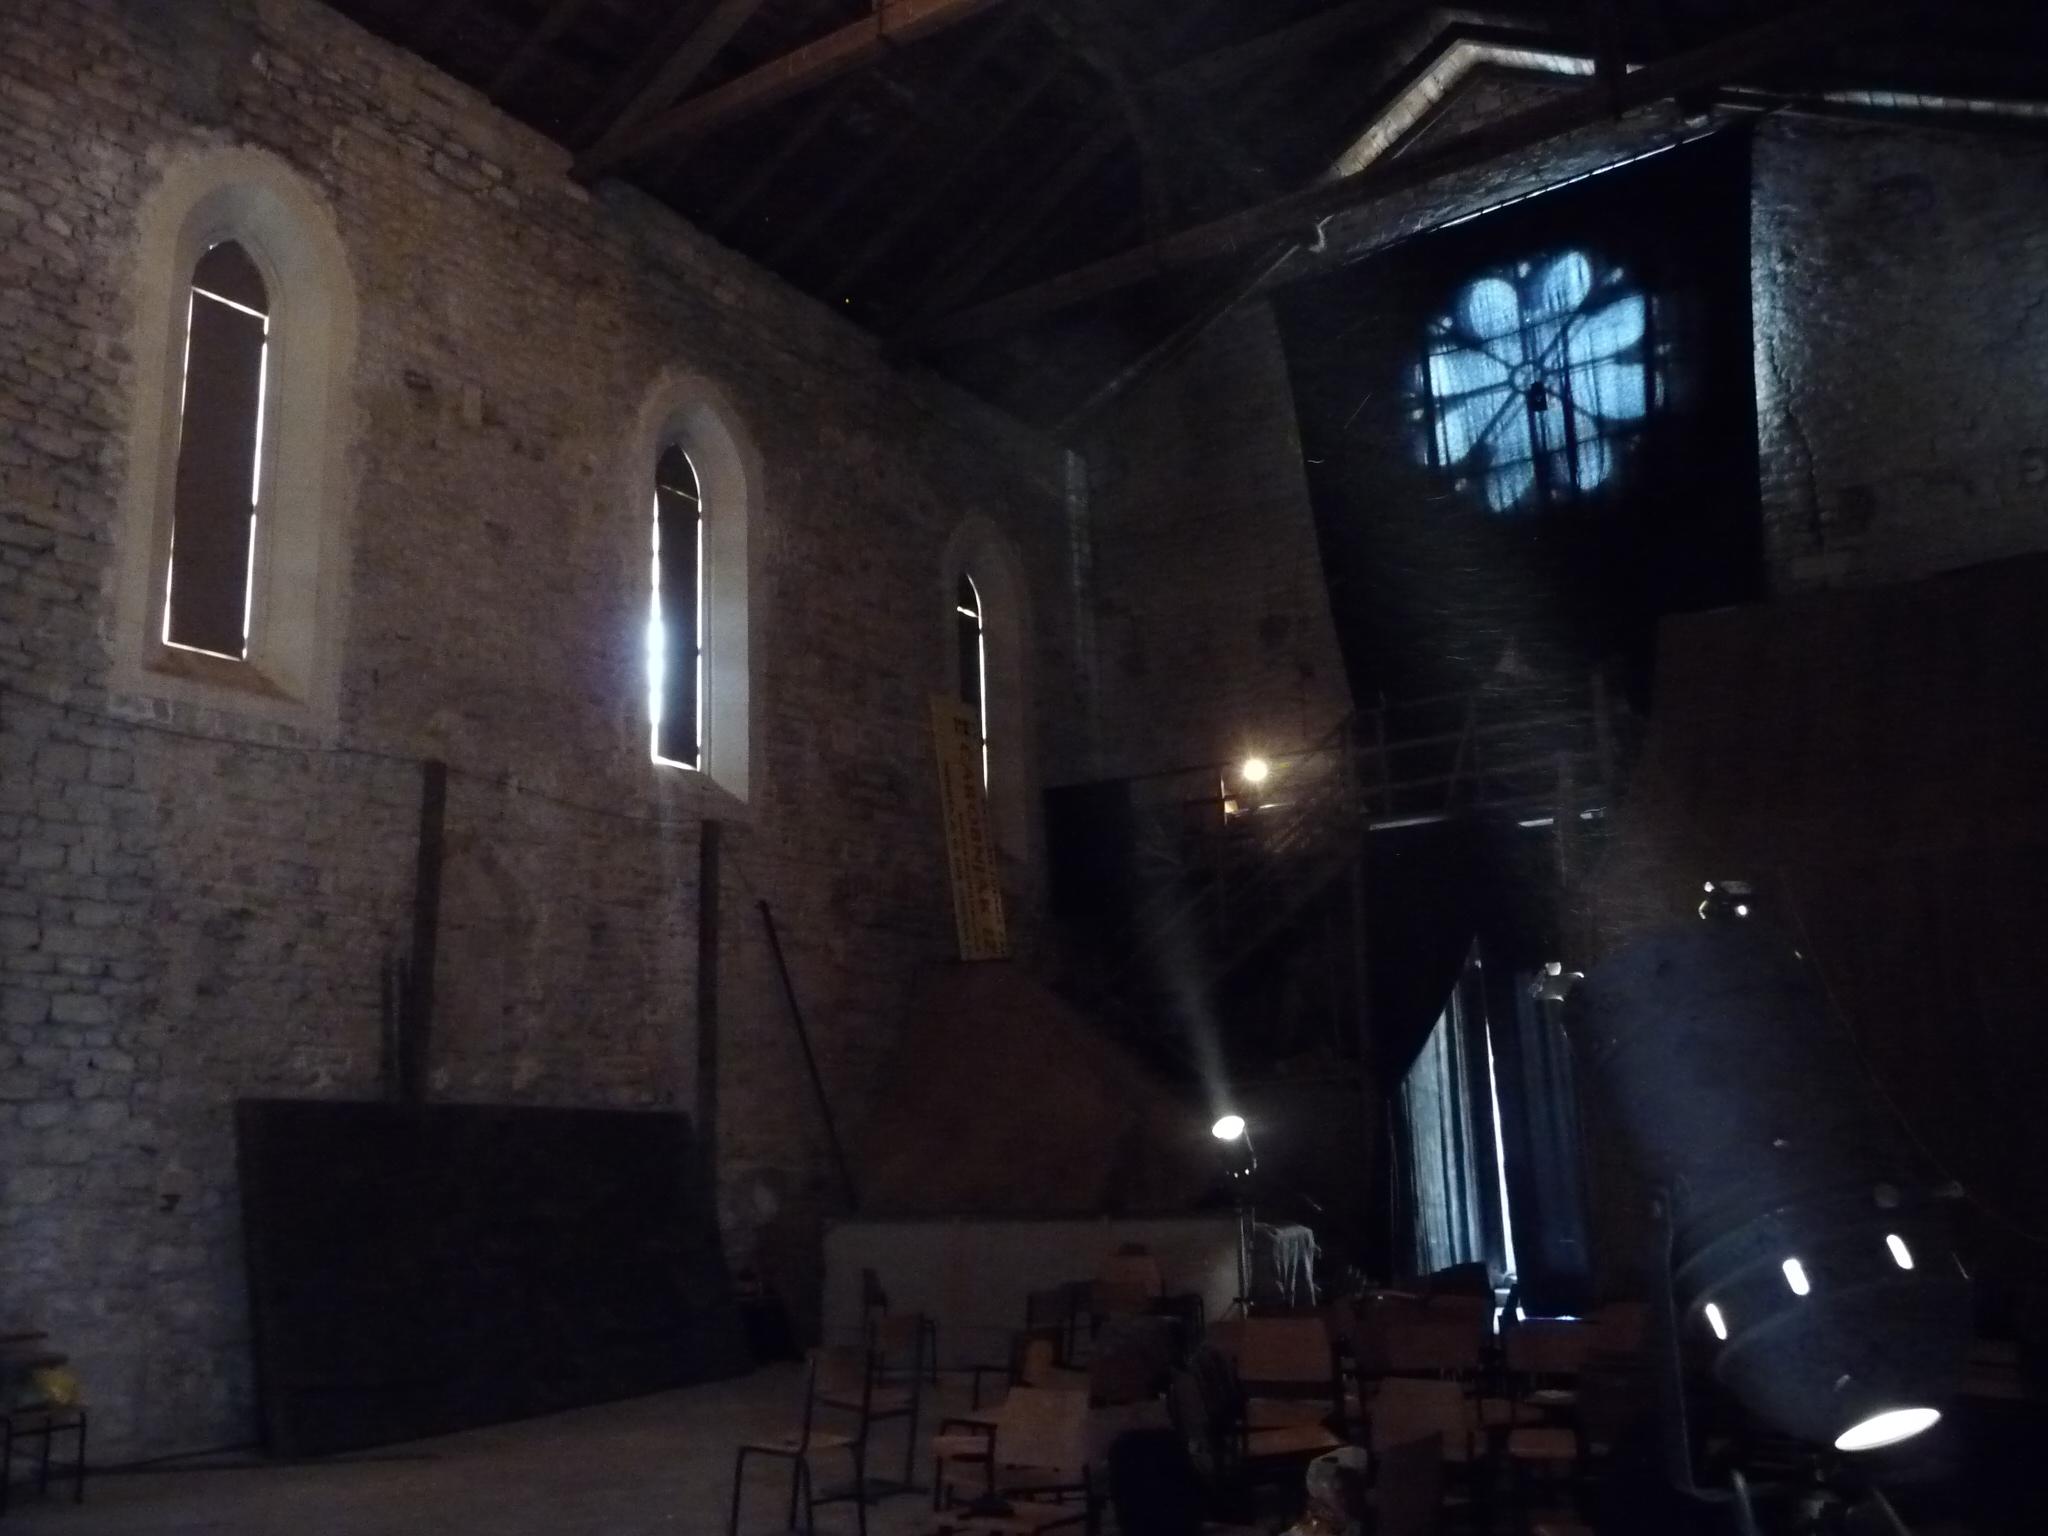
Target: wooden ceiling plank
882, 156
893, 23
1699, 68
675, 74
533, 48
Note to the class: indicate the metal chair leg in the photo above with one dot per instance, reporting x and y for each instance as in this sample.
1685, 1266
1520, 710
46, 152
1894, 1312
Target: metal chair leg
860, 1495
43, 1466
78, 1485
810, 1497
796, 1469
739, 1470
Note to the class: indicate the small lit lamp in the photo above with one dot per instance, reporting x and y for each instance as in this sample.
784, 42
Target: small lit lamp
1808, 1253
1255, 771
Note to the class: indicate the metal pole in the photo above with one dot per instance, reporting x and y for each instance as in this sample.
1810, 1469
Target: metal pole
803, 1037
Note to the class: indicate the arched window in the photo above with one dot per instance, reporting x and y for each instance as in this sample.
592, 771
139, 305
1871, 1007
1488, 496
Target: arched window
675, 620
1535, 378
691, 484
233, 544
217, 497
984, 653
972, 635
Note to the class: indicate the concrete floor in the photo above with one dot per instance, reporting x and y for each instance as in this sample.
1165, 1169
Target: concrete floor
654, 1464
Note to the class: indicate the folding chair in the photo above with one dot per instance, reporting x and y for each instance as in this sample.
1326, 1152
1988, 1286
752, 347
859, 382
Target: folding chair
828, 1367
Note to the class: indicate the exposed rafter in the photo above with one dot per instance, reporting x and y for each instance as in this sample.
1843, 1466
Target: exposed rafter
1012, 224
560, 17
828, 109
892, 24
883, 155
1299, 213
686, 61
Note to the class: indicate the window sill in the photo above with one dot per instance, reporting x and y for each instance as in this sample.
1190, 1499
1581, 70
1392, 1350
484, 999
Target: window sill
194, 679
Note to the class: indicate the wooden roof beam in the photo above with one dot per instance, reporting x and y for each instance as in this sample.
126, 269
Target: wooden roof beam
686, 62
1299, 213
533, 48
893, 23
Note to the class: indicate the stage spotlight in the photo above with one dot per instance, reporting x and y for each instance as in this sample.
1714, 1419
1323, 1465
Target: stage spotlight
1229, 1128
1805, 1244
1255, 770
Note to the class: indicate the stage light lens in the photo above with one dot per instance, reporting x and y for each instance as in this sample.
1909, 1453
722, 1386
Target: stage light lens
1887, 1428
1255, 770
1717, 1322
1901, 1254
1795, 1276
1229, 1128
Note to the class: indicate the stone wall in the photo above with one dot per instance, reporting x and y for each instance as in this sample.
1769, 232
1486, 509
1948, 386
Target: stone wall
1214, 626
195, 906
1901, 283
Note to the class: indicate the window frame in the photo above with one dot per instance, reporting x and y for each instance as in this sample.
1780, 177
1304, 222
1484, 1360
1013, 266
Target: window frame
692, 414
297, 592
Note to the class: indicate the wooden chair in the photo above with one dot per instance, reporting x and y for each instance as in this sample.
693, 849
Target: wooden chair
37, 1414
1287, 1367
851, 1384
1544, 1360
1407, 1408
1032, 1456
1408, 1487
828, 1368
874, 1312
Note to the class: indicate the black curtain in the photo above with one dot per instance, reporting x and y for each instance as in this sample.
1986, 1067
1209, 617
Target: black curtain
1545, 1160
1433, 586
1445, 1184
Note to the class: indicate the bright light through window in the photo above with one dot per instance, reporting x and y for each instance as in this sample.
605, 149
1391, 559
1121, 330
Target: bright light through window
972, 631
675, 619
1532, 376
1500, 1160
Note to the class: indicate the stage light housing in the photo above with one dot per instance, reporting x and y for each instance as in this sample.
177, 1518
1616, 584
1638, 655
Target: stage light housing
1788, 1190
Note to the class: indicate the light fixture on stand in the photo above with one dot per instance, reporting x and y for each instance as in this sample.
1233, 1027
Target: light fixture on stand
1240, 1162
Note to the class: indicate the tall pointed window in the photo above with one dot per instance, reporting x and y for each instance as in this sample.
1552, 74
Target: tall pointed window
973, 649
675, 623
210, 577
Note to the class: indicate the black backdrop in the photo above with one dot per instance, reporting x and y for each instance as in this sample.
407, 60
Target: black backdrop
416, 1270
1427, 585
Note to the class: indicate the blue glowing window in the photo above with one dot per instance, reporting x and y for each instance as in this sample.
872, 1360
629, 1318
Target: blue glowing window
1534, 380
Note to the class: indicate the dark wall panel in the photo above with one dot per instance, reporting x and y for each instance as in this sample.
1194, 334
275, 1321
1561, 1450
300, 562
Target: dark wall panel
414, 1271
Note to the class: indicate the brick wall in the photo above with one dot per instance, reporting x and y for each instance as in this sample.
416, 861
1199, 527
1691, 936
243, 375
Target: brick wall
1214, 625
194, 907
1901, 292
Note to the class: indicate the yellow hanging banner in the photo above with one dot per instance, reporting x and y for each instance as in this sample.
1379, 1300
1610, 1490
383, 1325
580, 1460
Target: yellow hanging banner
970, 849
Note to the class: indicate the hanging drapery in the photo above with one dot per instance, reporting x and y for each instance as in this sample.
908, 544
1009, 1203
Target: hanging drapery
1445, 1166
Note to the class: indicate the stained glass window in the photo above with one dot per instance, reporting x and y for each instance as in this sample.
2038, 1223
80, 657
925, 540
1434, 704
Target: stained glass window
1535, 379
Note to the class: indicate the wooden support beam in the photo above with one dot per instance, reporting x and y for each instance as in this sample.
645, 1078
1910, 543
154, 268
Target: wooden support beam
687, 60
1009, 226
882, 156
1298, 214
893, 23
533, 48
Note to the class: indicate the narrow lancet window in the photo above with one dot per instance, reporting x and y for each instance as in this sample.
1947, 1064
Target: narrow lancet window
675, 624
